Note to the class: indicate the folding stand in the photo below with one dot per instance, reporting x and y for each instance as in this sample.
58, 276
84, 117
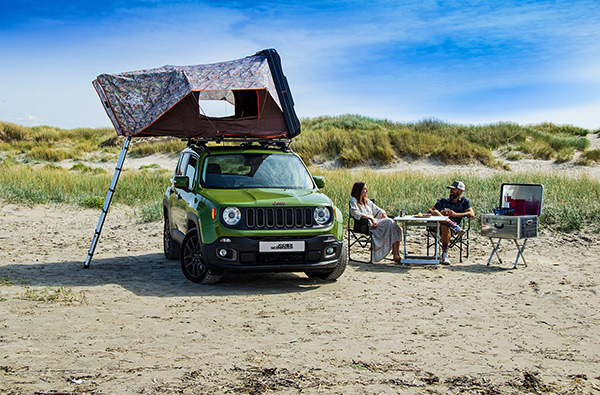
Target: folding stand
496, 247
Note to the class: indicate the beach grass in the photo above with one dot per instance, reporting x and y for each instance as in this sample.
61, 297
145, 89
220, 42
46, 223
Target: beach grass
570, 203
354, 140
28, 174
60, 295
349, 139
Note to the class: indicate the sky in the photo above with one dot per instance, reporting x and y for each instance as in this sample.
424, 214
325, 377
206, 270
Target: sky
460, 61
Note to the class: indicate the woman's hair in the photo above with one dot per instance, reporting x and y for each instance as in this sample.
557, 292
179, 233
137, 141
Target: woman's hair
357, 192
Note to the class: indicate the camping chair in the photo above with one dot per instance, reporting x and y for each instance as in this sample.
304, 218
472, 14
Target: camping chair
461, 242
359, 234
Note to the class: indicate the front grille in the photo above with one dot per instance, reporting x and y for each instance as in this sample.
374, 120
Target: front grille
266, 218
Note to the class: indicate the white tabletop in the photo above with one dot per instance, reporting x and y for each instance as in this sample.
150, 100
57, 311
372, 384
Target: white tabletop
414, 218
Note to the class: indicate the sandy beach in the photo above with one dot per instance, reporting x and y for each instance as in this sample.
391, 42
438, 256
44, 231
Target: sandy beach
131, 323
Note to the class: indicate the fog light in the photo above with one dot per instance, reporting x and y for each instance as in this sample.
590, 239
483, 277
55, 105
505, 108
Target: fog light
329, 250
225, 240
222, 252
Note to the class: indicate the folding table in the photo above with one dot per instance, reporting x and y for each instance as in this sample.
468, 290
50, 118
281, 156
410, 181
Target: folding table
421, 221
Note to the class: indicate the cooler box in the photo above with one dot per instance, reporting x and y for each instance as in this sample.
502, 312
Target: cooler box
524, 201
509, 227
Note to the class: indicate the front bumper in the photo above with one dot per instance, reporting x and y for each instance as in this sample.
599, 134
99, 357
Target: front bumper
242, 253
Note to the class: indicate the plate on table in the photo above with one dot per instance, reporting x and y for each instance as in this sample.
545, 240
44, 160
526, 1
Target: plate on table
423, 215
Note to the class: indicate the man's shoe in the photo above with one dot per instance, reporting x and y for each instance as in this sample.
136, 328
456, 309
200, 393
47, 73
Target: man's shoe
460, 233
445, 260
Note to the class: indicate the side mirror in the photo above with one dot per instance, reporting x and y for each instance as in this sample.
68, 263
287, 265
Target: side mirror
181, 181
320, 181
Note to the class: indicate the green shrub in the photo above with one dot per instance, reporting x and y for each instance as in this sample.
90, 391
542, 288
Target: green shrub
343, 122
565, 155
561, 129
93, 202
513, 155
12, 132
150, 212
49, 153
593, 155
581, 161
173, 146
152, 166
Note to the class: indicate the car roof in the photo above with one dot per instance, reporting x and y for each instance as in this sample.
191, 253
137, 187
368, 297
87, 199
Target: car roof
238, 149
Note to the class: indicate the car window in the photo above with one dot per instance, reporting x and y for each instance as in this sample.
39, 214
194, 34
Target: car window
182, 164
255, 170
191, 170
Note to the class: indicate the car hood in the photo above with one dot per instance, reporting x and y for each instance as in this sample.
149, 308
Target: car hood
267, 197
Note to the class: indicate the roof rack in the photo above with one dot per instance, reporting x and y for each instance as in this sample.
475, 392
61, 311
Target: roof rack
282, 144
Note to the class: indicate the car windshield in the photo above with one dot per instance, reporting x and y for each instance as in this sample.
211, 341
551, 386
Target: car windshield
254, 170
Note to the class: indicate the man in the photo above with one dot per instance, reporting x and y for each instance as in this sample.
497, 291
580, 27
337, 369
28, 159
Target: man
456, 207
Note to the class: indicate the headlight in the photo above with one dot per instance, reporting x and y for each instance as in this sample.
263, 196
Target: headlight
231, 216
321, 215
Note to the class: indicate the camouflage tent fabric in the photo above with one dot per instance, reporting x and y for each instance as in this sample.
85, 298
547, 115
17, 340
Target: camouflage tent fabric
165, 100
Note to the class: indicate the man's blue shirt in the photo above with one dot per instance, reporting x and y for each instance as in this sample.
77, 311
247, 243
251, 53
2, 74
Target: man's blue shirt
461, 205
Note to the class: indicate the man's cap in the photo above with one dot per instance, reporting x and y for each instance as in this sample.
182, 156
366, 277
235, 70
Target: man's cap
458, 185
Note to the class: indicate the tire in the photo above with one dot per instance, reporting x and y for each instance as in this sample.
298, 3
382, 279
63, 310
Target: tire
337, 271
171, 248
192, 262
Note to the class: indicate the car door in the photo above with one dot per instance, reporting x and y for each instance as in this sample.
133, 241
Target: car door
185, 195
177, 211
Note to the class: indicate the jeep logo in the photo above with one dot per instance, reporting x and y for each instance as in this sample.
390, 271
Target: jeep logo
278, 203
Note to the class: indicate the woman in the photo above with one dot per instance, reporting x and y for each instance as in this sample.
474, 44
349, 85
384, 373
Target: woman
384, 231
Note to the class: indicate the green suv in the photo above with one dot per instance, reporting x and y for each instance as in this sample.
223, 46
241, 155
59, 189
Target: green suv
250, 207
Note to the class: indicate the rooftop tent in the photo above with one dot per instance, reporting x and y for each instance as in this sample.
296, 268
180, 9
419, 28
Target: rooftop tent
165, 101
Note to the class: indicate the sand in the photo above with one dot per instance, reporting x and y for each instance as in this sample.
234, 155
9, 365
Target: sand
131, 323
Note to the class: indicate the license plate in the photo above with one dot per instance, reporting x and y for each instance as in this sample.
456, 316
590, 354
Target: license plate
281, 246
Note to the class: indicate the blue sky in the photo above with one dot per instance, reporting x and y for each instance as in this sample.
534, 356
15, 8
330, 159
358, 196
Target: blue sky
468, 62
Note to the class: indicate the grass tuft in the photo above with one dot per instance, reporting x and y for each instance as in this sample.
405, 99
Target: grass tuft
592, 155
55, 295
5, 281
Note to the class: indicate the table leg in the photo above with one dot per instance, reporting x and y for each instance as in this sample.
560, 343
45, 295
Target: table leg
495, 249
405, 226
437, 241
520, 250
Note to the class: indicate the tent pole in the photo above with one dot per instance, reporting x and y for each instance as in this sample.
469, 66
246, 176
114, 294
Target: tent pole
107, 201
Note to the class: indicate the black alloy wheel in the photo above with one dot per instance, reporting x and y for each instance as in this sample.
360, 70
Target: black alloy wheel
192, 261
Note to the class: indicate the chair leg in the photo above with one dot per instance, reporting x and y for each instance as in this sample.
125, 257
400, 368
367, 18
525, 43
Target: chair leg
360, 242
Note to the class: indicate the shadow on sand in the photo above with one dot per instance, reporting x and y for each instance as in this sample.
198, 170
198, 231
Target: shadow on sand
387, 266
153, 275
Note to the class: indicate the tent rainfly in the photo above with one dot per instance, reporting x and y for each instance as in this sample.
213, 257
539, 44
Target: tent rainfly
166, 101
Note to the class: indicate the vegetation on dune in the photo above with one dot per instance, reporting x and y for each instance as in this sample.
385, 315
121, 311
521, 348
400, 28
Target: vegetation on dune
28, 173
569, 203
45, 143
357, 140
350, 139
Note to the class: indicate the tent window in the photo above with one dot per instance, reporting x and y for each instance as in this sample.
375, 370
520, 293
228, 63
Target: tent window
246, 103
216, 108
